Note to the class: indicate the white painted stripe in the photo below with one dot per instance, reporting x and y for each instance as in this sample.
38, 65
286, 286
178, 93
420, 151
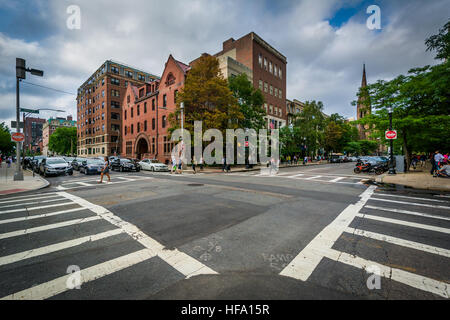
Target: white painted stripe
412, 203
400, 242
413, 280
419, 214
337, 179
39, 216
30, 198
404, 223
406, 197
312, 178
59, 285
178, 260
56, 247
61, 188
31, 203
126, 179
84, 184
37, 208
44, 195
47, 227
296, 176
303, 265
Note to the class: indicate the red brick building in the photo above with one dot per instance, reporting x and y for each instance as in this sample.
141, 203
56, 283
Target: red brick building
146, 111
269, 72
33, 131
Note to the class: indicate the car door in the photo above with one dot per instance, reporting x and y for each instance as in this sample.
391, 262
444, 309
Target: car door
42, 166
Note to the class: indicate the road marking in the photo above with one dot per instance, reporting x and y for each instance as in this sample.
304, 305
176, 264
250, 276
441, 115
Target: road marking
412, 203
47, 227
126, 179
37, 208
408, 212
400, 242
56, 247
182, 262
39, 216
30, 203
59, 285
413, 280
30, 198
296, 176
45, 195
404, 223
307, 260
312, 178
337, 179
83, 184
405, 197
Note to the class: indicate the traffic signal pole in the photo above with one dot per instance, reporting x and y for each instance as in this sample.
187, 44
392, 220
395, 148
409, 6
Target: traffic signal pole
18, 175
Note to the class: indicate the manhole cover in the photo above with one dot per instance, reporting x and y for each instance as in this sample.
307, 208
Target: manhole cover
195, 185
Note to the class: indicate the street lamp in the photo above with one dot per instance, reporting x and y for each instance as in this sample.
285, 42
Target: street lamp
182, 115
391, 166
21, 71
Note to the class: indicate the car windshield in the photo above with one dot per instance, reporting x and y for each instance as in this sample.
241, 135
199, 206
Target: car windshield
125, 160
69, 159
56, 161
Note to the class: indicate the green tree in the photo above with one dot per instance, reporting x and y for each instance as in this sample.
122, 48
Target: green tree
290, 141
207, 98
332, 137
251, 102
6, 145
440, 43
367, 147
63, 141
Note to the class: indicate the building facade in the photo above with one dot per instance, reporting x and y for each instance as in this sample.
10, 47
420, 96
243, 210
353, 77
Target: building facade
146, 111
50, 127
99, 108
293, 108
268, 68
33, 132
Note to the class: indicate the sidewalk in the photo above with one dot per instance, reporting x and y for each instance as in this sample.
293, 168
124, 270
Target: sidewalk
419, 179
241, 168
9, 186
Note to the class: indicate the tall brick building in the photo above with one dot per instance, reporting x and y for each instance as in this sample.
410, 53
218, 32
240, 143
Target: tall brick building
99, 107
146, 110
268, 71
33, 131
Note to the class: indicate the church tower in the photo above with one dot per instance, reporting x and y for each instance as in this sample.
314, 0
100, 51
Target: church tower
363, 109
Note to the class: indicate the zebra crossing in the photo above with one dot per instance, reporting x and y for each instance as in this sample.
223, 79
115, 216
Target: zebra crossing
307, 176
43, 235
93, 182
373, 233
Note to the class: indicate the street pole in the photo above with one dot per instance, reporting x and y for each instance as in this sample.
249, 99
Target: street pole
391, 167
182, 116
18, 175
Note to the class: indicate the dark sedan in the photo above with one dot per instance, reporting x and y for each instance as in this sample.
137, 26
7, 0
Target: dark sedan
125, 165
91, 166
76, 163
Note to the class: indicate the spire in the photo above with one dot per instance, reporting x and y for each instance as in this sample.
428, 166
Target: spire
364, 78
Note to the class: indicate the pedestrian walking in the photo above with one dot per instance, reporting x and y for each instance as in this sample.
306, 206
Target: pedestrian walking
201, 163
173, 166
224, 164
8, 162
438, 157
180, 167
305, 160
194, 162
105, 170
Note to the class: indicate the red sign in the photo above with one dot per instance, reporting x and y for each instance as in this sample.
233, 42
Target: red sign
391, 135
246, 143
17, 137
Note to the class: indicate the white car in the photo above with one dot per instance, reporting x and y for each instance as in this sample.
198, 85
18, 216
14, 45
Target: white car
153, 165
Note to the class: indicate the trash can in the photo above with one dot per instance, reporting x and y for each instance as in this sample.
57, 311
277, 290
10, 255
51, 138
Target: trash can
400, 164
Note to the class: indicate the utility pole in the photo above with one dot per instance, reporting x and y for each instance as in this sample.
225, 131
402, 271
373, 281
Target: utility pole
391, 167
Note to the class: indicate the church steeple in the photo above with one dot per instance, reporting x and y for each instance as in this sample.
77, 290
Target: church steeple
364, 78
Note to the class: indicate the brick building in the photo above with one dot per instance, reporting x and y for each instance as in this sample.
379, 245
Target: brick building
146, 110
50, 127
268, 68
363, 109
33, 131
99, 108
293, 108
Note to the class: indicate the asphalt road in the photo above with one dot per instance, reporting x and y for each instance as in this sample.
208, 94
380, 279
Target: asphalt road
316, 232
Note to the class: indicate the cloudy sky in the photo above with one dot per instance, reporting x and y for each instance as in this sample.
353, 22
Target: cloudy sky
326, 42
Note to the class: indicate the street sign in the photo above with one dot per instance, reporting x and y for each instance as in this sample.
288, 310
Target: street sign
246, 144
14, 124
17, 137
391, 135
28, 110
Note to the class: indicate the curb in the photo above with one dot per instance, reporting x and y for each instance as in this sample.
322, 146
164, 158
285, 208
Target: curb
381, 180
255, 169
46, 184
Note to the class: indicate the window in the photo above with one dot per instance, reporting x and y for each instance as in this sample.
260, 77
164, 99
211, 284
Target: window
280, 112
153, 104
115, 116
141, 77
128, 99
280, 74
103, 81
280, 94
103, 105
164, 101
138, 111
270, 67
145, 107
115, 93
276, 92
141, 93
138, 127
115, 81
175, 96
261, 85
153, 124
265, 106
126, 84
271, 90
265, 64
125, 130
114, 70
129, 74
103, 93
145, 125
115, 105
103, 116
163, 122
266, 87
275, 71
260, 60
125, 115
132, 112
271, 109
131, 129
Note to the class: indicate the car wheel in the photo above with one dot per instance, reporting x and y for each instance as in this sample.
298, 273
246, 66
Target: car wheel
357, 170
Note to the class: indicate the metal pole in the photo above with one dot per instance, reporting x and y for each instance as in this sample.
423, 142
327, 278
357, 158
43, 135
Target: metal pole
391, 167
18, 175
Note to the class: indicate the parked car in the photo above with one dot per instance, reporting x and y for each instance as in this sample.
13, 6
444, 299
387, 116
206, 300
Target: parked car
335, 159
91, 166
76, 163
153, 165
36, 162
125, 165
55, 167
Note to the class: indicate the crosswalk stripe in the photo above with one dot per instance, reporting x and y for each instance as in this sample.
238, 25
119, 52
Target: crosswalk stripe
419, 214
337, 179
312, 178
413, 280
33, 197
47, 227
412, 203
45, 215
60, 285
400, 242
404, 223
56, 247
31, 203
296, 176
406, 197
184, 263
84, 184
37, 208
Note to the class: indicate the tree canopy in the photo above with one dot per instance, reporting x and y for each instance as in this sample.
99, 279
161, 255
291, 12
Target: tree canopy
63, 141
6, 145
